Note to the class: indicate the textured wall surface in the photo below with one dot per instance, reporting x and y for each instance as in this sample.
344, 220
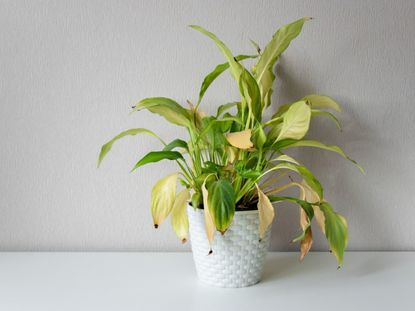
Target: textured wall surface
70, 70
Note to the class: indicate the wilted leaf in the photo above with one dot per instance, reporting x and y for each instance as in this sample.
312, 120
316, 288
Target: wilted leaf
306, 242
296, 121
317, 144
221, 202
209, 223
285, 158
107, 147
319, 113
241, 140
162, 198
321, 101
167, 108
266, 212
336, 231
179, 220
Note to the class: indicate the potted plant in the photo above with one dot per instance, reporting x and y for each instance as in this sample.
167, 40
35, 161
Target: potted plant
233, 168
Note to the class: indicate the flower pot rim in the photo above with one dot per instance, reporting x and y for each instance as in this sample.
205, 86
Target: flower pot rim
239, 212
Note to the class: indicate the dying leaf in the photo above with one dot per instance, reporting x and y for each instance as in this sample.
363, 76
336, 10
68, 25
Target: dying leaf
296, 121
311, 196
162, 198
166, 108
321, 101
241, 140
221, 202
306, 243
209, 223
266, 212
179, 220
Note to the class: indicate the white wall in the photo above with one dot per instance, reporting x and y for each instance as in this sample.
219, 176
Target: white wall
70, 70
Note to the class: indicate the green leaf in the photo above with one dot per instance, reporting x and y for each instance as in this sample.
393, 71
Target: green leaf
335, 230
162, 198
259, 137
236, 68
317, 144
219, 69
321, 101
223, 108
107, 147
296, 121
278, 44
155, 156
250, 90
319, 113
177, 143
221, 201
167, 108
304, 172
307, 207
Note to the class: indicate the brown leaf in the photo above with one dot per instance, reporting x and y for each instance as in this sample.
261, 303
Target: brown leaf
306, 243
266, 212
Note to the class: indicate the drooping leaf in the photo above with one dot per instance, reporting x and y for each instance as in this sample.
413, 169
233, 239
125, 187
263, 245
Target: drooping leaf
209, 223
306, 242
107, 147
319, 113
177, 143
162, 198
321, 101
286, 158
306, 206
179, 220
221, 202
303, 172
167, 108
266, 212
296, 121
278, 44
219, 69
312, 197
155, 156
336, 231
317, 144
241, 140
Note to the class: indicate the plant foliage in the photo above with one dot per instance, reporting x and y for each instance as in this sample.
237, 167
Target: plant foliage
235, 160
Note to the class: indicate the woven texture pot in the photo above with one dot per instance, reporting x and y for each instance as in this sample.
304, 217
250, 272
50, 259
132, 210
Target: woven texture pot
238, 256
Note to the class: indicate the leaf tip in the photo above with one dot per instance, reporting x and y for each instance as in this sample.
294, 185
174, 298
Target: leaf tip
156, 226
210, 252
184, 240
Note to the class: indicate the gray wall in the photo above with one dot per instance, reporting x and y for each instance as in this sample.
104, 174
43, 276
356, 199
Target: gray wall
69, 71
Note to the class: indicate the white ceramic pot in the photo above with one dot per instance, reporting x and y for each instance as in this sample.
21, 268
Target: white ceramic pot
238, 256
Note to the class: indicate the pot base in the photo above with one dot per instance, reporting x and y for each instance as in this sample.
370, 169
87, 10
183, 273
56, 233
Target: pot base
237, 257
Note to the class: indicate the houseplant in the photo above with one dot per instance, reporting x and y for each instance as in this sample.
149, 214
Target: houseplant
234, 165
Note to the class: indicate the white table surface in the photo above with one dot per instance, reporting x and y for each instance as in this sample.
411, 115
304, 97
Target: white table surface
167, 281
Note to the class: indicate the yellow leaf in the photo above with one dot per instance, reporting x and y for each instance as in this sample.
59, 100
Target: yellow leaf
162, 198
179, 220
241, 140
209, 223
296, 121
266, 212
312, 197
